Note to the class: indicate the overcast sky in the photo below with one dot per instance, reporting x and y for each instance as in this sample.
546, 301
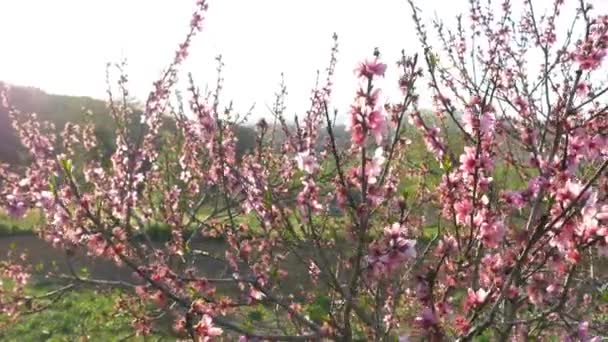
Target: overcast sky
62, 46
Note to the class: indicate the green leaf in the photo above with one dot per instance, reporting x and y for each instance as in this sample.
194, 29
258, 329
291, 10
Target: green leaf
430, 232
256, 315
67, 166
53, 183
318, 311
274, 273
433, 60
248, 326
487, 336
605, 295
324, 302
84, 272
446, 164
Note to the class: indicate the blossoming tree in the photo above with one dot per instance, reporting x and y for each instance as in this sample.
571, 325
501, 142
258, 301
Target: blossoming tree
497, 228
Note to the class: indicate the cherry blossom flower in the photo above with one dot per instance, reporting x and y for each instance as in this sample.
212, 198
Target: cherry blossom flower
206, 330
475, 298
307, 162
371, 68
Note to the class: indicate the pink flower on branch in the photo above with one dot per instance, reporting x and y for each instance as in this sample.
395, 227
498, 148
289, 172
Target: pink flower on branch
370, 68
307, 162
367, 115
206, 330
475, 298
390, 252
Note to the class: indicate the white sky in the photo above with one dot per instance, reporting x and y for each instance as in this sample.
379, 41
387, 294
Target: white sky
62, 46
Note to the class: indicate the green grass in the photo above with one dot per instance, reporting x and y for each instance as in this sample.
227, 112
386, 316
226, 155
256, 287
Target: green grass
27, 225
19, 226
82, 315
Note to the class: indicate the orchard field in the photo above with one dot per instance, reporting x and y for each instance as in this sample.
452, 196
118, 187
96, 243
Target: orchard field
471, 206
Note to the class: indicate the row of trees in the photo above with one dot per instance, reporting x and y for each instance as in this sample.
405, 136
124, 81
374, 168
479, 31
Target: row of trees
60, 110
497, 229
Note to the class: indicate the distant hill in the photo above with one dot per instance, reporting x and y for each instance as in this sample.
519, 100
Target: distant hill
61, 109
57, 109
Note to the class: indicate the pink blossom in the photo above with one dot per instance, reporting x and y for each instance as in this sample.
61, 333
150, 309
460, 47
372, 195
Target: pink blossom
142, 327
463, 210
358, 134
596, 145
390, 252
602, 213
46, 199
307, 162
523, 105
393, 231
492, 233
536, 184
487, 122
159, 298
475, 298
573, 256
309, 196
462, 324
119, 233
206, 330
570, 191
582, 88
583, 333
97, 245
375, 168
376, 120
434, 142
367, 116
468, 160
591, 60
15, 204
370, 68
314, 271
514, 199
447, 245
406, 248
255, 295
469, 121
